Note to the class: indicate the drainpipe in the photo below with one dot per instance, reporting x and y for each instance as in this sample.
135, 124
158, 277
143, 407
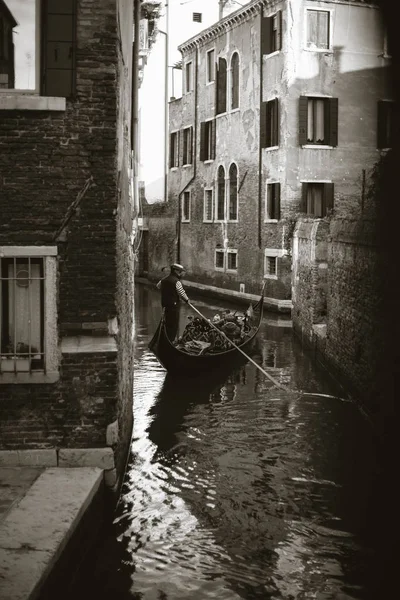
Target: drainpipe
178, 257
259, 138
135, 106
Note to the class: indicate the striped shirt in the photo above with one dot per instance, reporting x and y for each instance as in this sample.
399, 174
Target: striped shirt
181, 291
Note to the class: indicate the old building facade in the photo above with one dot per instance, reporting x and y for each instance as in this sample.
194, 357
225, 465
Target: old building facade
286, 111
66, 232
273, 124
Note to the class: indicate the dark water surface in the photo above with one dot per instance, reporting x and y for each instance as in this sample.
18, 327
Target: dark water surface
237, 489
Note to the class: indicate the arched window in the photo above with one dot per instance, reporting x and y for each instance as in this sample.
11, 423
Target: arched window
235, 81
233, 192
220, 208
221, 86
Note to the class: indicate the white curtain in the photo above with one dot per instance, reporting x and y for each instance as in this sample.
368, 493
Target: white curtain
24, 306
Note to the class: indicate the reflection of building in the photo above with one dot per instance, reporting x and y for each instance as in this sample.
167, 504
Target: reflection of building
7, 23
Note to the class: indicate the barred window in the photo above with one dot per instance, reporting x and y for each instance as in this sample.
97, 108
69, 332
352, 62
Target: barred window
27, 311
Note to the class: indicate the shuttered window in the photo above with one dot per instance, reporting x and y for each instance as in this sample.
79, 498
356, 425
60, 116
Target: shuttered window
273, 204
235, 81
221, 75
59, 43
233, 193
186, 207
210, 66
187, 146
207, 140
385, 124
318, 121
269, 123
317, 199
174, 149
208, 206
220, 207
271, 33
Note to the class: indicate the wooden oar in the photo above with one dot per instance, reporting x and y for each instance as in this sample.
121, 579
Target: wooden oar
274, 381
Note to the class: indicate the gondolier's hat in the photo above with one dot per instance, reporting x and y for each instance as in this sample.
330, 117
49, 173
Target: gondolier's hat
177, 268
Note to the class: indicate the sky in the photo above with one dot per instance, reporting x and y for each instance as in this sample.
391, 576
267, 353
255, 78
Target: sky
151, 93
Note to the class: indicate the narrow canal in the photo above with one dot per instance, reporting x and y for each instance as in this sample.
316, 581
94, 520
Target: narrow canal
236, 489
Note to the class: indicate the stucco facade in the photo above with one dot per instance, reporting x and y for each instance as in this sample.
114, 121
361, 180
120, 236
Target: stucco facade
302, 124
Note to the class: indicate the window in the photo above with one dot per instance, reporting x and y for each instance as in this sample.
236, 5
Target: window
270, 124
318, 121
270, 267
231, 259
28, 320
208, 206
271, 34
220, 208
233, 193
221, 86
188, 77
318, 26
207, 140
210, 67
385, 124
174, 149
187, 145
197, 17
219, 260
186, 207
235, 81
21, 67
317, 199
273, 202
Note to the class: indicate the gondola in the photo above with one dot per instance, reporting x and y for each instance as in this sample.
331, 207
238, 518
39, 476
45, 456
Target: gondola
179, 362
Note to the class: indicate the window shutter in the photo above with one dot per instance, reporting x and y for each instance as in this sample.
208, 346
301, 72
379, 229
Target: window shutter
191, 146
328, 197
277, 206
263, 124
181, 145
279, 32
275, 135
303, 204
216, 87
381, 141
59, 47
171, 150
333, 113
203, 141
213, 138
266, 26
303, 111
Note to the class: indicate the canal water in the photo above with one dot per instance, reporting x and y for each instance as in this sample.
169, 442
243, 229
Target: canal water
236, 488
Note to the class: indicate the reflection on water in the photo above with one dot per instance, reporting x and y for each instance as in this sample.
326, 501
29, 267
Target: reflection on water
236, 489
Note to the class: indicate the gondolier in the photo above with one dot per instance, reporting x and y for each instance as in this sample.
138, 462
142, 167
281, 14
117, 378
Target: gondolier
172, 292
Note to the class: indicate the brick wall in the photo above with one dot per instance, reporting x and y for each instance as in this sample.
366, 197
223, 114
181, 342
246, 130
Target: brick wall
46, 160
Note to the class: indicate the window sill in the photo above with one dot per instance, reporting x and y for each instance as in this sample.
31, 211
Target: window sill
24, 378
235, 110
271, 148
270, 276
231, 270
318, 147
185, 221
208, 221
209, 161
173, 168
220, 269
223, 114
210, 82
324, 50
31, 102
274, 53
187, 166
271, 220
